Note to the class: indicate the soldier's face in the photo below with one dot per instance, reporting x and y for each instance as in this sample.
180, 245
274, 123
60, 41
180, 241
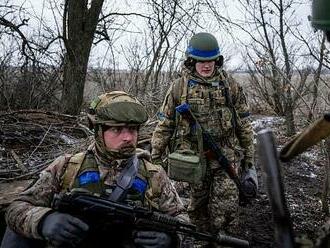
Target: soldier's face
120, 137
205, 69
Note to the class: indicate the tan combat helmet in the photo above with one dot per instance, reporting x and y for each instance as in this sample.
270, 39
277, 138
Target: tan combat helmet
117, 108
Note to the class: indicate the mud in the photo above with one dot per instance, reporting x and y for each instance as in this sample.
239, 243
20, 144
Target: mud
303, 179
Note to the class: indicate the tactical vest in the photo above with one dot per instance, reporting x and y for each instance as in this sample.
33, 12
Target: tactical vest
82, 171
210, 102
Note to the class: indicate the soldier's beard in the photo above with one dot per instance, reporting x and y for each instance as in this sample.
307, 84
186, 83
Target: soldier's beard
106, 155
122, 153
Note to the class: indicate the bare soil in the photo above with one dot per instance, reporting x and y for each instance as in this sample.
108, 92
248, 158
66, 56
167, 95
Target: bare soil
303, 183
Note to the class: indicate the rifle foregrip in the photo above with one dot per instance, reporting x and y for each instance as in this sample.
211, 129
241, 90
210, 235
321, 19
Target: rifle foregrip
171, 221
232, 242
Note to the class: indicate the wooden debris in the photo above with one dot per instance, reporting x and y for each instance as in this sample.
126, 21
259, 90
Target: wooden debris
31, 139
19, 164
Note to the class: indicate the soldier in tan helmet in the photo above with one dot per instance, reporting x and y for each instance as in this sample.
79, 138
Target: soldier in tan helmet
115, 118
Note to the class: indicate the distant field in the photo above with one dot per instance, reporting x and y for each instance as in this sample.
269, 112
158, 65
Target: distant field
96, 87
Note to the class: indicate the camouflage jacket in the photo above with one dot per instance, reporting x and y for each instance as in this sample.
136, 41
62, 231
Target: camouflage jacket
224, 116
25, 213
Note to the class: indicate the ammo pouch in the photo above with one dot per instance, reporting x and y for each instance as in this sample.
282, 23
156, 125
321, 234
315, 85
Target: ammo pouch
186, 166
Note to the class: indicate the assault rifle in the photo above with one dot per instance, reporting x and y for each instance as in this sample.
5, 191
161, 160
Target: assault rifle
284, 236
91, 207
211, 147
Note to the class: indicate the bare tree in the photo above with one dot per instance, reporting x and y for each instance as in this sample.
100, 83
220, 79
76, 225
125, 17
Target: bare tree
29, 77
274, 59
317, 51
79, 24
13, 24
169, 19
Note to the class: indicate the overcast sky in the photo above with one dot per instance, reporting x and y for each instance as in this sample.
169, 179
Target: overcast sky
42, 9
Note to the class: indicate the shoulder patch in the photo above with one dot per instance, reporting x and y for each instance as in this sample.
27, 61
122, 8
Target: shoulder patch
72, 170
192, 83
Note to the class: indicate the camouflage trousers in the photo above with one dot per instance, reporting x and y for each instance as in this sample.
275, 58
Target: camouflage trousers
213, 204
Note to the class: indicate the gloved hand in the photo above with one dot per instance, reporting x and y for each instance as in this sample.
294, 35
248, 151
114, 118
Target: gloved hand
59, 229
152, 239
249, 184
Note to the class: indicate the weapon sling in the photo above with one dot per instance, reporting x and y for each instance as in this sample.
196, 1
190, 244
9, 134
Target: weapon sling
125, 180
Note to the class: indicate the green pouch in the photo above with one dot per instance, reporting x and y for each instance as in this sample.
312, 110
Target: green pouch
186, 166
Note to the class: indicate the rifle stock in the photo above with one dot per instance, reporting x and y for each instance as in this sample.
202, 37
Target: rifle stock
317, 131
88, 205
269, 160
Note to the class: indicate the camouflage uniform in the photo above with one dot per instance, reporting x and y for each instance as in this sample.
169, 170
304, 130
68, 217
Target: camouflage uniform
213, 201
26, 213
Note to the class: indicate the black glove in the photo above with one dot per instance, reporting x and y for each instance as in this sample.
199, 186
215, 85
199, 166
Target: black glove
152, 239
249, 184
62, 229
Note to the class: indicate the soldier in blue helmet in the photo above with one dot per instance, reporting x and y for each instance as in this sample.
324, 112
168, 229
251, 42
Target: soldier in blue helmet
220, 107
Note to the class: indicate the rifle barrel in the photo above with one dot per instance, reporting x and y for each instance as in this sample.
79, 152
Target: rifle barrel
275, 189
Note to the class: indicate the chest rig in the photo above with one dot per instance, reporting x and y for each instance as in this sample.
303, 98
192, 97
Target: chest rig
211, 103
129, 185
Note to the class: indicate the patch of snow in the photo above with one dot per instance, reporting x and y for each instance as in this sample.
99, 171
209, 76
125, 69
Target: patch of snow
309, 170
294, 206
68, 140
266, 122
312, 155
310, 166
312, 175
